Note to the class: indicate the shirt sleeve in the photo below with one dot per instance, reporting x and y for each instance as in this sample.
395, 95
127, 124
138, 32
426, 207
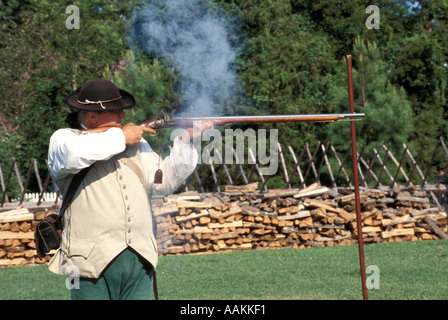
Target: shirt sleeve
176, 167
70, 152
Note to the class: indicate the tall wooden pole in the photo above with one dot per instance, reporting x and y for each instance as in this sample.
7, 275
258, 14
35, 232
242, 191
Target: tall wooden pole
356, 178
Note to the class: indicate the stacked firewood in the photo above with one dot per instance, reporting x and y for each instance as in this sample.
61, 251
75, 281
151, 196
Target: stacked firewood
242, 218
398, 216
17, 228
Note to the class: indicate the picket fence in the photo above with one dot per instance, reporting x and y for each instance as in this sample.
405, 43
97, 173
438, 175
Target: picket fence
34, 197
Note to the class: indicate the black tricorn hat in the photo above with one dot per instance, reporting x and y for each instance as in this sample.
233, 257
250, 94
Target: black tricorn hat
100, 95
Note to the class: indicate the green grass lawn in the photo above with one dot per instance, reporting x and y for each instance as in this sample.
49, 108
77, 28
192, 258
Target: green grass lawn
407, 270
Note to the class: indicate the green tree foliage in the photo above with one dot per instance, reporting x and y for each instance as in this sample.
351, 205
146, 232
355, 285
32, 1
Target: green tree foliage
285, 66
42, 61
290, 60
9, 148
420, 69
388, 111
419, 64
151, 84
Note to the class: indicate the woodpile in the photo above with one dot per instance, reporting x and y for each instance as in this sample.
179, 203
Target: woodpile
241, 218
17, 227
244, 218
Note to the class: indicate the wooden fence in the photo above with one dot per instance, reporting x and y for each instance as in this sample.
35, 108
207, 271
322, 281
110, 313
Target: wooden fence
326, 166
296, 169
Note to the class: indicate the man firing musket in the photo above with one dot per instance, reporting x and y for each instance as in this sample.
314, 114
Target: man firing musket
107, 232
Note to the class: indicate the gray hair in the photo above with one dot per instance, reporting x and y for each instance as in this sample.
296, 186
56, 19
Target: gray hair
82, 115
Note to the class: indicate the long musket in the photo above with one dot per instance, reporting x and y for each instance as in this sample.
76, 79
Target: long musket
166, 121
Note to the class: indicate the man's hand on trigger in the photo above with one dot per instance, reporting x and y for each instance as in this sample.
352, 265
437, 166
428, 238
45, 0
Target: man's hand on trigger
133, 134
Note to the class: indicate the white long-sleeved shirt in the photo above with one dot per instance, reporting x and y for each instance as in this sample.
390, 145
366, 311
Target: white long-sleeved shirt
70, 152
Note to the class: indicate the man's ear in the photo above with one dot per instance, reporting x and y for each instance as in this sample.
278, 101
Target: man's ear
91, 119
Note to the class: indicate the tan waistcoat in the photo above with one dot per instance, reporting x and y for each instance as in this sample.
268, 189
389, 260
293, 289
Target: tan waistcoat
109, 212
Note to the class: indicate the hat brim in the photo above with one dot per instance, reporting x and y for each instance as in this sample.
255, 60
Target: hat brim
127, 101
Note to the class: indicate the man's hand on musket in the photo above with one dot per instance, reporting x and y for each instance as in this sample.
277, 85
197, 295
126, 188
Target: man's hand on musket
133, 134
197, 131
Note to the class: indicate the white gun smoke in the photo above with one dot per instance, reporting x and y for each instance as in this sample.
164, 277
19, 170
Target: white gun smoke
192, 35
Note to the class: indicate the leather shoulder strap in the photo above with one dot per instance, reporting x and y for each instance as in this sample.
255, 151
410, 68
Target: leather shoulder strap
132, 164
76, 181
134, 167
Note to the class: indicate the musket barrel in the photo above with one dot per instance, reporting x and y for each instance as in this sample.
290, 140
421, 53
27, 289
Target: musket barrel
188, 121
